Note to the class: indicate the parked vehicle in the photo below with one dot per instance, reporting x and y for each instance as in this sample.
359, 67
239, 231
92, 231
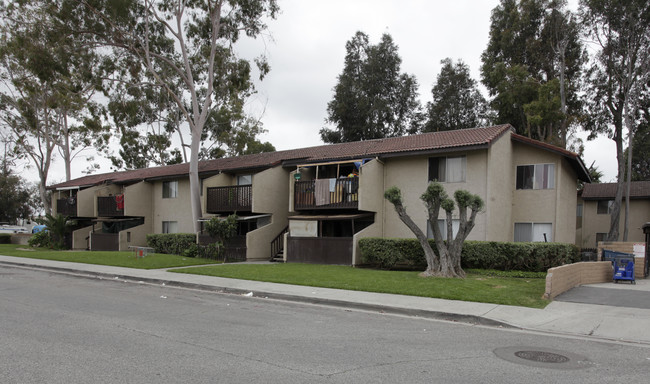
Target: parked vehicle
6, 228
39, 228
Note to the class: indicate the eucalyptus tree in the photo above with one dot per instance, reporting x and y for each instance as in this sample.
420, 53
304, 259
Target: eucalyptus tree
145, 118
186, 47
618, 79
372, 98
457, 102
532, 68
48, 85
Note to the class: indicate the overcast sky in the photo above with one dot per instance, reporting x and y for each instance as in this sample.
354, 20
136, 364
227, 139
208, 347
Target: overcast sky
306, 50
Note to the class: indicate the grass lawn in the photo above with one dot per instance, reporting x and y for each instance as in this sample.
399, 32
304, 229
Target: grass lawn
478, 287
117, 259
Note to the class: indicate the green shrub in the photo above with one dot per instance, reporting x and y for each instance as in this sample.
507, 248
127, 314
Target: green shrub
5, 238
171, 243
191, 251
502, 256
40, 239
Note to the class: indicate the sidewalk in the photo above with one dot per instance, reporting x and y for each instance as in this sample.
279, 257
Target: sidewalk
597, 321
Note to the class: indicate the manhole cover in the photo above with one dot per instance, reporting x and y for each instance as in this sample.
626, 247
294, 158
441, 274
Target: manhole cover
543, 357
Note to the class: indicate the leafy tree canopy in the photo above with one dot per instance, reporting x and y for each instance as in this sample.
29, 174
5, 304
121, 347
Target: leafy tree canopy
14, 198
372, 98
532, 68
457, 102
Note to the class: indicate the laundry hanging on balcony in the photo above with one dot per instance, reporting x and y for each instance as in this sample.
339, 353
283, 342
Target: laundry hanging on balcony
322, 191
119, 200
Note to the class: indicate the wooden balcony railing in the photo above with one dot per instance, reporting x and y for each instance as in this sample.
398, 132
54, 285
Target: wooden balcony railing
327, 193
67, 207
230, 199
107, 206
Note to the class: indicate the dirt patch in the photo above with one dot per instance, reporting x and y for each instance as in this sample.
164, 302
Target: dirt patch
24, 249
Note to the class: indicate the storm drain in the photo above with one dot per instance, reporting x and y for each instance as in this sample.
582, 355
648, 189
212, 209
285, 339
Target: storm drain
543, 358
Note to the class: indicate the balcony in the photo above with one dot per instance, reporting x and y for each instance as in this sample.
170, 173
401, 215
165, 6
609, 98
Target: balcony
230, 199
110, 206
327, 194
67, 207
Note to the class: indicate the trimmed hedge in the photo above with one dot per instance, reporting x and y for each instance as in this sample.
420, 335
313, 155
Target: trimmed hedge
5, 238
171, 243
503, 256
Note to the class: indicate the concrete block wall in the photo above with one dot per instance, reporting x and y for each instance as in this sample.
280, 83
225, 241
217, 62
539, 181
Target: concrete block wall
561, 279
20, 238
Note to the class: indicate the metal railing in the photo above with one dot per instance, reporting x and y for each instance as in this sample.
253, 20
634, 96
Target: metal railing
327, 193
229, 199
107, 206
67, 207
277, 244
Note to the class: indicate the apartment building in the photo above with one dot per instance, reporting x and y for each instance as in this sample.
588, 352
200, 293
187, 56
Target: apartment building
594, 208
314, 204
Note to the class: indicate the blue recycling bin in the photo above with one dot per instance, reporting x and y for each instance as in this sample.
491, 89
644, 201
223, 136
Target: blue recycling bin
623, 265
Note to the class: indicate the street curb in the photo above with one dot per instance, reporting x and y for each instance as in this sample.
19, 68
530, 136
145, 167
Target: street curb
423, 313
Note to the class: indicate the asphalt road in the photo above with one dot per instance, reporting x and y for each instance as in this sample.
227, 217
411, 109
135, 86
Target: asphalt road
61, 329
608, 296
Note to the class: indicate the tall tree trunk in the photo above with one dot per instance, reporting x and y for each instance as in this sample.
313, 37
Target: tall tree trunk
195, 185
67, 157
433, 266
615, 216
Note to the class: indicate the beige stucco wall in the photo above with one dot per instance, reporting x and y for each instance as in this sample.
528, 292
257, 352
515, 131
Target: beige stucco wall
270, 195
410, 174
271, 191
177, 209
79, 237
556, 206
500, 188
593, 223
567, 200
371, 199
138, 202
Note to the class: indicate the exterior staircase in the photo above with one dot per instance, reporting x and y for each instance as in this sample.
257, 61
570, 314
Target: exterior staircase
277, 247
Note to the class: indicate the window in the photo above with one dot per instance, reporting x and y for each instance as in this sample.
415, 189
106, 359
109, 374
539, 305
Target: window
537, 176
447, 169
244, 179
604, 207
600, 237
534, 232
579, 210
170, 227
442, 224
170, 189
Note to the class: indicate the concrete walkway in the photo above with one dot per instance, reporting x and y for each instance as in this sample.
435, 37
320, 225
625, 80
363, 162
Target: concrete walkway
610, 322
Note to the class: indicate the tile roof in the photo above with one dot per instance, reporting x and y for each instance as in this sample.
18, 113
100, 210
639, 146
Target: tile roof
440, 141
638, 190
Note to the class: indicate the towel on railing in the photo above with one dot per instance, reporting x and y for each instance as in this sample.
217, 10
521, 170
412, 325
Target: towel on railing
322, 191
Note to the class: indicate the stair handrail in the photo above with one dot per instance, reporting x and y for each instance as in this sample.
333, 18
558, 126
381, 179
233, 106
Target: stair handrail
277, 244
